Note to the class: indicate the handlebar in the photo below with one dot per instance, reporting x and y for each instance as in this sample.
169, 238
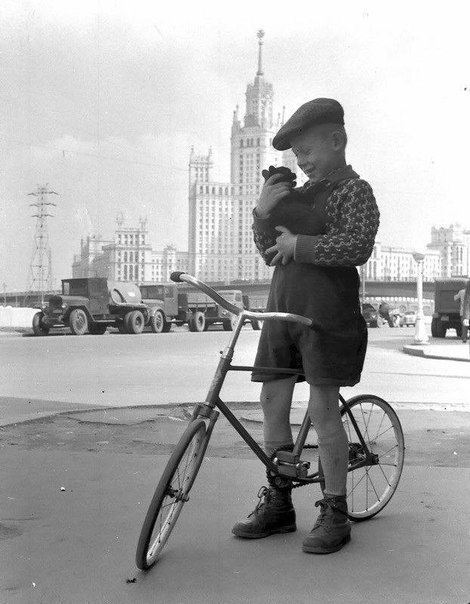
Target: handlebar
180, 277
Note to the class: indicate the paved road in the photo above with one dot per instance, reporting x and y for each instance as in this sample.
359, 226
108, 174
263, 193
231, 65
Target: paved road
74, 492
120, 370
77, 546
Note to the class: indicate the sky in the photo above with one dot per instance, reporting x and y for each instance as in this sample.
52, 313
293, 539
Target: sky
103, 100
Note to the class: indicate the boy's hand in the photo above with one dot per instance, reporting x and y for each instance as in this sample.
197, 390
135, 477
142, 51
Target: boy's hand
284, 248
271, 193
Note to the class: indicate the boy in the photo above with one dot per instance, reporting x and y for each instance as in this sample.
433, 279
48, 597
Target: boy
315, 276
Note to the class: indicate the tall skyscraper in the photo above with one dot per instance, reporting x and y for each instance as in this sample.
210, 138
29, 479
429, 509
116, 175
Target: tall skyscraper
220, 240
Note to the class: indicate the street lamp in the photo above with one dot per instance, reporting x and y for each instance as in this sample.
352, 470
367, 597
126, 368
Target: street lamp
421, 337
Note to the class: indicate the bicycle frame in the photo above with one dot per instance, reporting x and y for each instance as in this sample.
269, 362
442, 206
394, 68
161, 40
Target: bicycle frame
286, 463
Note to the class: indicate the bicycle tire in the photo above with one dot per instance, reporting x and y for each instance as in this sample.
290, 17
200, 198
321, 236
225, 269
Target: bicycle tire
382, 431
175, 487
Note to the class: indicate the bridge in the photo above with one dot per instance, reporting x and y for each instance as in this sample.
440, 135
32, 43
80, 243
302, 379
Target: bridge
391, 291
401, 293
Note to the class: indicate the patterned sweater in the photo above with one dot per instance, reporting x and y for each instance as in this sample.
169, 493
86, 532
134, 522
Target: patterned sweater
351, 223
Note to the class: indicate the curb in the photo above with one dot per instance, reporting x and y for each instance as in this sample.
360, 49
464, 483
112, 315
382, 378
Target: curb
99, 408
256, 417
250, 418
420, 352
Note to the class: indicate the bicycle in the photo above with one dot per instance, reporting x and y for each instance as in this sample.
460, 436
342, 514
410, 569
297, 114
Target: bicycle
376, 445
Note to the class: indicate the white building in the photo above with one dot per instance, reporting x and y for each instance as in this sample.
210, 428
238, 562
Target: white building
453, 244
389, 263
128, 257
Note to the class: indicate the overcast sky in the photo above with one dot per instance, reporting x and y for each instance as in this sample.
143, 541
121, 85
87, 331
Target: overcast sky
103, 100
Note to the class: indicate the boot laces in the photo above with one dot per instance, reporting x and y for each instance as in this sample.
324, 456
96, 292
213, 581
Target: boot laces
322, 515
327, 509
264, 495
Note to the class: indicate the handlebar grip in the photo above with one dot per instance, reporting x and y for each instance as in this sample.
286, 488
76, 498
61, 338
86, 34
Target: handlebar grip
176, 276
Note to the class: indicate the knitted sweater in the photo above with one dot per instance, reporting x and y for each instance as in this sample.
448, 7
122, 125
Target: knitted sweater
351, 223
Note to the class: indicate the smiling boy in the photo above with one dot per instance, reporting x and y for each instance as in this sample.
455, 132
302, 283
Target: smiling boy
315, 276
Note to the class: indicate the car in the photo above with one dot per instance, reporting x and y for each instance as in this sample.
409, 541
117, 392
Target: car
92, 305
371, 315
409, 318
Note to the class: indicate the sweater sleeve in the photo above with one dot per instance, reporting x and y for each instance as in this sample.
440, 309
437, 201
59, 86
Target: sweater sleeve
353, 222
264, 236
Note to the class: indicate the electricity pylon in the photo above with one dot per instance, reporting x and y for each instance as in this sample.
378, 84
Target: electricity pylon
40, 268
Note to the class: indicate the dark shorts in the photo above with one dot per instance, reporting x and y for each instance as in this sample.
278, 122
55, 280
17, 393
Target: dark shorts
325, 357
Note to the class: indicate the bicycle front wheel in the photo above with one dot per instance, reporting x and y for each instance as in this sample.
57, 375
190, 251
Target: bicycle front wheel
171, 494
370, 487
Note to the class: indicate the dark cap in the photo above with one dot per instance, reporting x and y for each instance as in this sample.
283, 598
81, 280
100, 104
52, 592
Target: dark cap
318, 111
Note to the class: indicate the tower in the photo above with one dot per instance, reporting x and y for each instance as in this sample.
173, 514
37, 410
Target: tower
251, 148
40, 268
200, 167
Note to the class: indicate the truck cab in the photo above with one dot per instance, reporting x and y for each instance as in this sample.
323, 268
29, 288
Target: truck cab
92, 305
447, 310
165, 305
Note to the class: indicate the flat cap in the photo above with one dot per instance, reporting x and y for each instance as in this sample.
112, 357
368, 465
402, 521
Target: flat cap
318, 111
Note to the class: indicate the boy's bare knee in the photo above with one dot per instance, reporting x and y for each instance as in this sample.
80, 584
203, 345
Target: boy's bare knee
277, 393
323, 406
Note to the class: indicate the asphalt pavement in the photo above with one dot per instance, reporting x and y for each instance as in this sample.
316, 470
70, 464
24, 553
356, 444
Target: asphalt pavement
102, 414
77, 545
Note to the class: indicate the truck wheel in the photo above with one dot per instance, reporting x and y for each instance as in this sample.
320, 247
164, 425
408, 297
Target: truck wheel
78, 322
97, 329
121, 326
134, 322
157, 322
255, 324
39, 329
167, 326
197, 321
229, 324
437, 328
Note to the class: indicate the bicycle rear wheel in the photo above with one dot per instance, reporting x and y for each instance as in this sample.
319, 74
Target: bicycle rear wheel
370, 488
171, 494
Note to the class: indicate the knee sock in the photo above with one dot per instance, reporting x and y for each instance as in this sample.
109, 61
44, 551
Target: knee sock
333, 451
271, 445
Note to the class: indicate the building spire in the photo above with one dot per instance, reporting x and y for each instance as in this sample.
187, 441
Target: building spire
260, 35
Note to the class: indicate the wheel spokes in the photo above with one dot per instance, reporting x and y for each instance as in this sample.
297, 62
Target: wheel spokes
372, 421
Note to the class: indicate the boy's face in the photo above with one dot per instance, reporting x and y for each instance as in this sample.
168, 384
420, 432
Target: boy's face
316, 152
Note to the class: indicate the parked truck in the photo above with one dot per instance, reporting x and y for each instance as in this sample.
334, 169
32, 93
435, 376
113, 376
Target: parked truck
166, 306
92, 305
203, 311
446, 310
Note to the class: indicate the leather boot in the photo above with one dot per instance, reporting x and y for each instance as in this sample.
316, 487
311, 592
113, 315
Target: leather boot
332, 529
274, 513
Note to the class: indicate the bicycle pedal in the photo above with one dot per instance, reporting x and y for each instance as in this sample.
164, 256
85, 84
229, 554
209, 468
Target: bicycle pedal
294, 469
287, 457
